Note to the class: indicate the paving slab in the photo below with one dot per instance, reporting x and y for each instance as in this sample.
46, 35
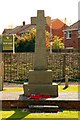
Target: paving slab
19, 96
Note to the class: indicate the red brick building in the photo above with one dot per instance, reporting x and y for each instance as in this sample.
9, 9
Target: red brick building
57, 27
72, 36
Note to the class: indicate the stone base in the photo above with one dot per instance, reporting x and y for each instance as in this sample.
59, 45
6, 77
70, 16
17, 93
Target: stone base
46, 89
40, 77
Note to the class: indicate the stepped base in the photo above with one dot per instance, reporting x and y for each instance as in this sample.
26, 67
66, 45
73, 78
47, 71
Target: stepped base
43, 108
40, 77
41, 89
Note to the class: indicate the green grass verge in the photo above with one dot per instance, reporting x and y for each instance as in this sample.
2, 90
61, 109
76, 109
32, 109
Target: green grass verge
69, 89
13, 89
18, 114
60, 88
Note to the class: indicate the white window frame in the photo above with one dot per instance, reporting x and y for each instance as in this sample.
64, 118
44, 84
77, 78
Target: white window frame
68, 34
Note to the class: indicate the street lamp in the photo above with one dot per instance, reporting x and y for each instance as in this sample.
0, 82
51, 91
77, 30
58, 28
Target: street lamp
51, 38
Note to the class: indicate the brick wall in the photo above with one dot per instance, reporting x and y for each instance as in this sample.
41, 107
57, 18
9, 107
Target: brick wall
24, 104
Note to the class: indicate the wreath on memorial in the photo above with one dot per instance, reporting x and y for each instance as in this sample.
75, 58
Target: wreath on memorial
38, 96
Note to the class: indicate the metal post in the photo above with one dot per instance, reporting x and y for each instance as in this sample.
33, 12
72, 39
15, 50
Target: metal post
51, 38
66, 80
13, 44
51, 47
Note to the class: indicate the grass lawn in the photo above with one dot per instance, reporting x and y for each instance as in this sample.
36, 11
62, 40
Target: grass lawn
69, 89
60, 88
13, 89
18, 114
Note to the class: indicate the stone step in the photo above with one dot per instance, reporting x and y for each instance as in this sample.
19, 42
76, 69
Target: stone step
43, 89
43, 108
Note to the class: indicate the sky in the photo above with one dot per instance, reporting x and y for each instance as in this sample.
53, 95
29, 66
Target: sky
14, 12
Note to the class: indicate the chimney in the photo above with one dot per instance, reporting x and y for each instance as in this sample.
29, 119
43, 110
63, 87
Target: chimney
48, 20
23, 23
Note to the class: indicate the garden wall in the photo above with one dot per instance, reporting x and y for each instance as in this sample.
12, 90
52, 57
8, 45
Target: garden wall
17, 66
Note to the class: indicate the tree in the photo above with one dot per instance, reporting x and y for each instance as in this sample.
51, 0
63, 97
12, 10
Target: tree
26, 42
57, 43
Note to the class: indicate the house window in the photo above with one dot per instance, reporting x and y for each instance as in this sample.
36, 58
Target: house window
68, 34
78, 33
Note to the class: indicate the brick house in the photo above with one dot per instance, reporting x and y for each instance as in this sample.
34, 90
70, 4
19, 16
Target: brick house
72, 36
19, 29
57, 28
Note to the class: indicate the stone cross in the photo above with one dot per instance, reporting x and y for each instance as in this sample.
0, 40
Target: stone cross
40, 60
40, 79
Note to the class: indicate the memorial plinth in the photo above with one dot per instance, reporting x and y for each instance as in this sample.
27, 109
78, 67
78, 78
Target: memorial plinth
40, 79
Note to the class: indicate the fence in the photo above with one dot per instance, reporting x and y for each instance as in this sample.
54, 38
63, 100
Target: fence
17, 66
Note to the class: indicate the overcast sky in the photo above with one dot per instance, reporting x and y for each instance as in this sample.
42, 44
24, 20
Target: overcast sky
15, 11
